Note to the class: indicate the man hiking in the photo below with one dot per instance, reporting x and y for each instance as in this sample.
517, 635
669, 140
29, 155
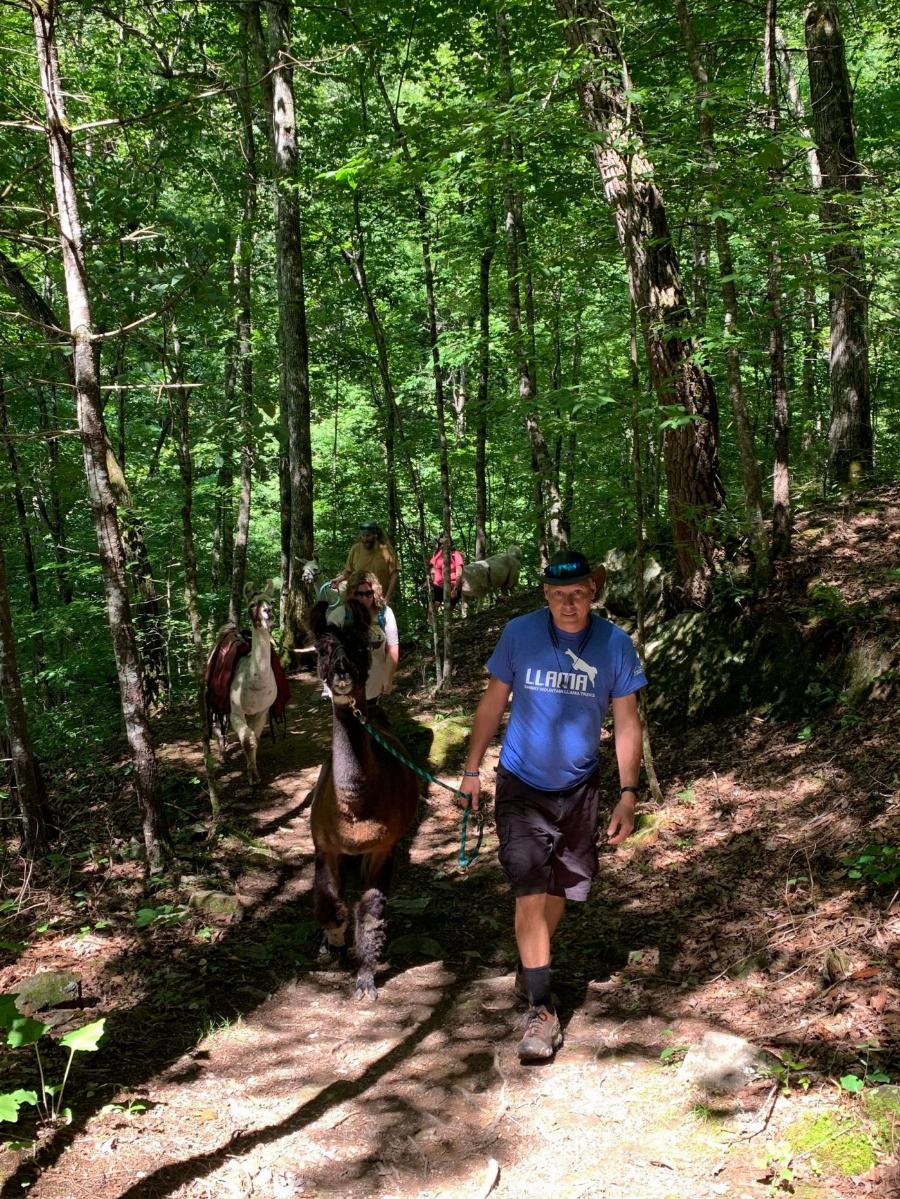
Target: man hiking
564, 667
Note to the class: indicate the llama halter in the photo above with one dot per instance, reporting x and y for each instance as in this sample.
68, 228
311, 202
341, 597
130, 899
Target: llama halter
464, 858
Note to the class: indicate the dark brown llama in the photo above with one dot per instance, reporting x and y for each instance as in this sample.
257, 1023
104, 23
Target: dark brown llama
365, 799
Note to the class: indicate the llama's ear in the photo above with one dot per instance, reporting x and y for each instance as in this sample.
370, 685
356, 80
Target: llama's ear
270, 588
248, 590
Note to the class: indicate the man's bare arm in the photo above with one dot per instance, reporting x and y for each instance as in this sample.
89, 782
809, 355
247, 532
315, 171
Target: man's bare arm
488, 715
629, 751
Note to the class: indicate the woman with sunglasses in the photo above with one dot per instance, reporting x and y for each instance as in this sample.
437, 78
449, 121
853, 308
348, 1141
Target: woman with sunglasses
364, 586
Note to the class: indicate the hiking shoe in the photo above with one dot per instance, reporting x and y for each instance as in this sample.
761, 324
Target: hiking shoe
543, 1036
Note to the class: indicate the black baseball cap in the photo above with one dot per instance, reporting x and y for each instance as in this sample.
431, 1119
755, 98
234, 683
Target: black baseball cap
370, 526
567, 566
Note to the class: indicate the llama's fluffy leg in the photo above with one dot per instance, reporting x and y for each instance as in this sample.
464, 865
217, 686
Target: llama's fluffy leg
330, 909
371, 931
244, 726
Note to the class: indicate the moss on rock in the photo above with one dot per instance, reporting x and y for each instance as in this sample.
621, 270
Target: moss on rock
839, 1143
882, 1106
449, 735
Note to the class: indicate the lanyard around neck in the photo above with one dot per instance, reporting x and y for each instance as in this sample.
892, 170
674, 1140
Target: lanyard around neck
582, 644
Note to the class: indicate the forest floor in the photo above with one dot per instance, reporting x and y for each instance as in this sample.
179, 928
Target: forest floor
233, 1066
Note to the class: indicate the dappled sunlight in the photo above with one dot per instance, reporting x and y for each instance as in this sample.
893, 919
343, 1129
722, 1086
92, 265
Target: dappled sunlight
730, 910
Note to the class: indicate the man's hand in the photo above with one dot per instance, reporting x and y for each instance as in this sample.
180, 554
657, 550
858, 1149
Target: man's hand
471, 789
621, 824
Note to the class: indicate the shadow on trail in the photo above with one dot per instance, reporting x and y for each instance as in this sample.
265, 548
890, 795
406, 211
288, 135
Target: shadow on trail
169, 1177
701, 912
274, 944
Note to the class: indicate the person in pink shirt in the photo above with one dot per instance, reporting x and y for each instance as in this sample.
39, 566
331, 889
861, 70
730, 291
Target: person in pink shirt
437, 573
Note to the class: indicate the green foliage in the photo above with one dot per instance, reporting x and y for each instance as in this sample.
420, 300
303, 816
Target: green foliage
22, 1031
671, 1055
878, 864
162, 189
790, 1073
164, 913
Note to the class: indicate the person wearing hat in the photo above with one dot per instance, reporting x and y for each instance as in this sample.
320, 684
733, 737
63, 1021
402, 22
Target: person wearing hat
436, 570
564, 667
373, 553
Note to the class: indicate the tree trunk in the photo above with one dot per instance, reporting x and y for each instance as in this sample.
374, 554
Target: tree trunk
446, 667
29, 784
548, 503
149, 617
356, 261
223, 510
750, 473
178, 399
51, 511
278, 89
639, 556
850, 430
793, 91
570, 451
691, 441
781, 479
95, 442
21, 510
243, 288
484, 366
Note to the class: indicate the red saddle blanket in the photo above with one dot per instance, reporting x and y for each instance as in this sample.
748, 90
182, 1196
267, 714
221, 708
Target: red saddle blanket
220, 668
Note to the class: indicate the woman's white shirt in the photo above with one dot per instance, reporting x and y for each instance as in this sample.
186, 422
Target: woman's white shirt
381, 641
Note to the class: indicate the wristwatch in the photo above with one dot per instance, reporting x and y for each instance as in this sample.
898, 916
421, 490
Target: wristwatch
635, 790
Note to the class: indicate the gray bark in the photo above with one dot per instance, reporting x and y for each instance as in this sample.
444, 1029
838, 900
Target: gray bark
95, 442
751, 477
548, 502
178, 399
850, 430
782, 519
691, 449
484, 367
297, 480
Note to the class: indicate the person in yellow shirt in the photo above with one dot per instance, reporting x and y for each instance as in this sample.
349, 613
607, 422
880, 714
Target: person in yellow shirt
372, 552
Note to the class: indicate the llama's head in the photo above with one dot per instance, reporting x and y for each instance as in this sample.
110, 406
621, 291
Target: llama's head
311, 571
261, 606
343, 651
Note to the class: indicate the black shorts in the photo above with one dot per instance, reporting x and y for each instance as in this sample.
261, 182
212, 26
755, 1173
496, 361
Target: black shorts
547, 838
437, 594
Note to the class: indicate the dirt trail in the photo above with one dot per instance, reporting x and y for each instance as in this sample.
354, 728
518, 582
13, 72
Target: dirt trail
308, 1093
257, 1074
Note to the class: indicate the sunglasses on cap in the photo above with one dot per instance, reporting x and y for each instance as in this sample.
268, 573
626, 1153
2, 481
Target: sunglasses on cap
563, 572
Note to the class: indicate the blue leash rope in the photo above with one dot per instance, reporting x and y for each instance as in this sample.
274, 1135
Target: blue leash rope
464, 859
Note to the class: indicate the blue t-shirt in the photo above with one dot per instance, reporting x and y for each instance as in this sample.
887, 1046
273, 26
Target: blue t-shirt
561, 691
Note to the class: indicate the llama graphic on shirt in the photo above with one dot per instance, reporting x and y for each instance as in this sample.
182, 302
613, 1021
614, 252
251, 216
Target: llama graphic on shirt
585, 667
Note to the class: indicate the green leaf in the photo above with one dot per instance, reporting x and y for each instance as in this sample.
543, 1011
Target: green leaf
25, 1031
84, 1039
8, 1010
852, 1083
12, 1101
